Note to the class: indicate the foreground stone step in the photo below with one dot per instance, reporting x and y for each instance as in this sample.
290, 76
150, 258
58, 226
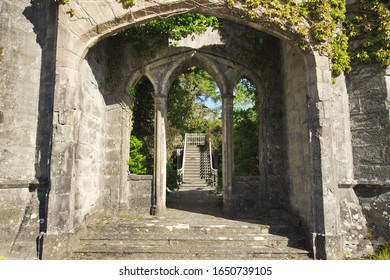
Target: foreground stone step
206, 239
193, 227
128, 227
189, 240
167, 253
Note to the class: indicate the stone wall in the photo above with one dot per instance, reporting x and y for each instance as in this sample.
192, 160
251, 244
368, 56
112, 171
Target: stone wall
277, 194
20, 70
353, 225
369, 91
89, 140
375, 202
297, 133
139, 194
27, 43
246, 197
19, 227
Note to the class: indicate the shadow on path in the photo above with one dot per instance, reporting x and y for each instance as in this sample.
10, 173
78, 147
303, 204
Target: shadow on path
195, 200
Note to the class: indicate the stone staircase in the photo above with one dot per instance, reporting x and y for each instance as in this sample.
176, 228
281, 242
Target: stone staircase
193, 228
194, 167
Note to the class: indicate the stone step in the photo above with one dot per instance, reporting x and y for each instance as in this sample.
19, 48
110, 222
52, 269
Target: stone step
194, 147
193, 241
197, 180
172, 253
193, 185
191, 172
192, 160
128, 228
192, 168
193, 227
192, 175
189, 183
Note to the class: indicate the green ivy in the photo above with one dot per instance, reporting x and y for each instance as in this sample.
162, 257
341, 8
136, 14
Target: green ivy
329, 29
155, 34
61, 2
324, 17
127, 3
368, 26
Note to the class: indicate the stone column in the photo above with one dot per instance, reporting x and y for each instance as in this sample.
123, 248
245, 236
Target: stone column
160, 160
327, 240
227, 152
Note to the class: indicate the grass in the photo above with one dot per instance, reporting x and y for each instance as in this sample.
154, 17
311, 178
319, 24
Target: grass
382, 252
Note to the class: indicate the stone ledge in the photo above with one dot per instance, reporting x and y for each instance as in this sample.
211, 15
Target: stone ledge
347, 183
353, 183
134, 177
18, 184
379, 183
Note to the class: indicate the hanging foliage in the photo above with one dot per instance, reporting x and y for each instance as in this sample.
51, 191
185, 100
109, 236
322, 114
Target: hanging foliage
322, 25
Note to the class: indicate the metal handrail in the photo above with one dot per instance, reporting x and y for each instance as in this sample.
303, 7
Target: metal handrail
195, 138
214, 171
180, 172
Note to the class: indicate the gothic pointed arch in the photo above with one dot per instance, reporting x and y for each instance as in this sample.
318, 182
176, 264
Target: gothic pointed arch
193, 59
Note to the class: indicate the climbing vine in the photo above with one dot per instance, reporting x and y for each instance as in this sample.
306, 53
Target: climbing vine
155, 34
326, 26
368, 27
314, 22
330, 29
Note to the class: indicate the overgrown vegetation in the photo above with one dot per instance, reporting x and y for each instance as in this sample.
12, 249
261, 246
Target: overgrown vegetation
323, 24
382, 252
137, 160
246, 131
369, 28
149, 38
330, 28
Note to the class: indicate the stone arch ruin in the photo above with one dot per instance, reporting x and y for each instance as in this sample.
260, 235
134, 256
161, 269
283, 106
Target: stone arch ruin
70, 162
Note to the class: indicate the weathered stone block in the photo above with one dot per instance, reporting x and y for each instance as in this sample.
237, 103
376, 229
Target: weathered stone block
246, 196
369, 137
373, 173
373, 103
367, 121
140, 193
61, 185
369, 155
375, 201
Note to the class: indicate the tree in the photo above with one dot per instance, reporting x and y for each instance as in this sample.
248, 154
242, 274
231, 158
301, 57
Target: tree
246, 132
137, 161
142, 128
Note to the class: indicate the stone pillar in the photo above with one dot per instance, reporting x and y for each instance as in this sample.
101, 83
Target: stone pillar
124, 157
227, 152
327, 240
160, 158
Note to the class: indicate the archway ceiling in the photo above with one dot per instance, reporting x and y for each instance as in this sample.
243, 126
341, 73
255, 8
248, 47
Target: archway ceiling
225, 71
215, 51
91, 21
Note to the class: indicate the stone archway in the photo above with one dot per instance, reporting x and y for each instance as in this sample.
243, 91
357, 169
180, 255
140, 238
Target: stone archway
166, 71
75, 117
